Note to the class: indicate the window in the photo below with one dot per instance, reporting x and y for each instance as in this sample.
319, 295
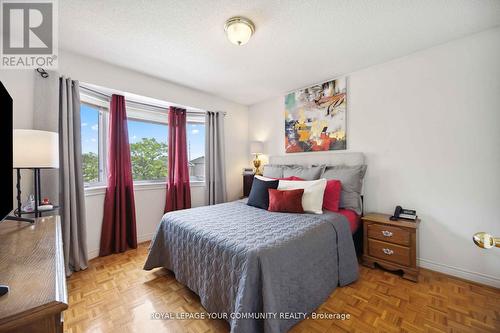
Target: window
148, 150
92, 153
196, 150
148, 138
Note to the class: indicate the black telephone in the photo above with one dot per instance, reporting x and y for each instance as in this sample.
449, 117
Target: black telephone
401, 213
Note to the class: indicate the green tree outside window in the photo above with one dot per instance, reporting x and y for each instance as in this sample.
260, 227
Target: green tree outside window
149, 159
90, 163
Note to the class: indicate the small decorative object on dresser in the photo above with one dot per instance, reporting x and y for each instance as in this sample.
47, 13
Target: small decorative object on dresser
247, 183
390, 244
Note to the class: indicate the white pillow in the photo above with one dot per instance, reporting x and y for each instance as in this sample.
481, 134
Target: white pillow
312, 199
266, 179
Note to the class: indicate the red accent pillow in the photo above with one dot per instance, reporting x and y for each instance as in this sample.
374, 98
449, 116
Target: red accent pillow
331, 198
289, 201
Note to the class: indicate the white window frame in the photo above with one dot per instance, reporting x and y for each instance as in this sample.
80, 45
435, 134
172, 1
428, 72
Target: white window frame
135, 112
197, 119
102, 143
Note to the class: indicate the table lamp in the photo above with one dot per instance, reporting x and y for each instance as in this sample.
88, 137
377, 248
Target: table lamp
257, 148
34, 150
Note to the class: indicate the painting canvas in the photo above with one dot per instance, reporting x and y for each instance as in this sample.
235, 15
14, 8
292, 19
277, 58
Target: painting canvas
315, 118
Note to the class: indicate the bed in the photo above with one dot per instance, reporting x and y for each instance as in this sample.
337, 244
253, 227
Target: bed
261, 271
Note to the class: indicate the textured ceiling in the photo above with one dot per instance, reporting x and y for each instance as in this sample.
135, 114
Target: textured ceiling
296, 43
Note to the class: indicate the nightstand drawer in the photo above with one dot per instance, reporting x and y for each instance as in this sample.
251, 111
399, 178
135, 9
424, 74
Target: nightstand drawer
390, 252
389, 234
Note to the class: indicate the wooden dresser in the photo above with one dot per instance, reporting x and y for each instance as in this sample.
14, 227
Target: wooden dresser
390, 244
32, 265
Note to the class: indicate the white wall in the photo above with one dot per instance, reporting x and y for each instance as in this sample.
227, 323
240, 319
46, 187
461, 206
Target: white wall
429, 125
150, 200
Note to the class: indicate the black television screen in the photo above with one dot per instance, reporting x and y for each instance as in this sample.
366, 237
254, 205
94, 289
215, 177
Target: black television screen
6, 181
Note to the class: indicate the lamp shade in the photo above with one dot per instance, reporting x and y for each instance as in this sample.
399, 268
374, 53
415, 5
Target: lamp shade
257, 147
36, 149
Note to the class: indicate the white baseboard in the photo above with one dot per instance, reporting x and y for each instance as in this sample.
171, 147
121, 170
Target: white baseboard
93, 254
141, 238
460, 272
144, 238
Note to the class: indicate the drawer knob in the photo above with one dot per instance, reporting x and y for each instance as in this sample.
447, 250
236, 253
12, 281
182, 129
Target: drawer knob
388, 251
386, 233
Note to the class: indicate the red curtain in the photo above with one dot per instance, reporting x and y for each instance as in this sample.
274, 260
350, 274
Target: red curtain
118, 226
178, 190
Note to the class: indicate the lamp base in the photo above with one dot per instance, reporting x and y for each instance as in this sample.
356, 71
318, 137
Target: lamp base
256, 164
19, 219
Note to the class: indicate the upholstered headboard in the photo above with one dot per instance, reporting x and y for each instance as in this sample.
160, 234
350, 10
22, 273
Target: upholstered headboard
337, 158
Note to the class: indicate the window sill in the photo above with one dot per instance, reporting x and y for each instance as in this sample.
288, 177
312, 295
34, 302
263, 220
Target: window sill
94, 190
138, 186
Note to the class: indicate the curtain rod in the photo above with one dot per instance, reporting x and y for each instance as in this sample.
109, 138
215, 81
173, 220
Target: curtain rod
148, 105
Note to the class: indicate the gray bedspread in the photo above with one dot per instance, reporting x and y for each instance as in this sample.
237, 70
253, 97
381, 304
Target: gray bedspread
243, 260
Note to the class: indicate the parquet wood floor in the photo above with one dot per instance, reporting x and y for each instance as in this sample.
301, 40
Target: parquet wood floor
115, 295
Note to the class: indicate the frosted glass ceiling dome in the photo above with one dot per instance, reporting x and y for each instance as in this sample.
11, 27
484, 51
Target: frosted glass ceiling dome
239, 30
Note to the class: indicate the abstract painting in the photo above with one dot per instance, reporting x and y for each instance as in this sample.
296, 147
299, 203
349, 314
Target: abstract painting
315, 118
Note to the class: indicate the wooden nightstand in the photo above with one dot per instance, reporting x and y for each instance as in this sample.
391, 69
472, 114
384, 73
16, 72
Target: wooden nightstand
247, 184
391, 244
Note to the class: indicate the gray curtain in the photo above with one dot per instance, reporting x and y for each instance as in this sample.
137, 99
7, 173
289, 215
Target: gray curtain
57, 109
46, 118
215, 170
71, 178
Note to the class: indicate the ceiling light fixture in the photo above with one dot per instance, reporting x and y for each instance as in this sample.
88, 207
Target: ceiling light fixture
239, 30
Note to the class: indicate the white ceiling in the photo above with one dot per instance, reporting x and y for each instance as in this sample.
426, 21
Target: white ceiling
296, 43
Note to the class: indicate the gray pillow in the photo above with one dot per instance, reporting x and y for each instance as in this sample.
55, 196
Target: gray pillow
351, 178
273, 171
304, 172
